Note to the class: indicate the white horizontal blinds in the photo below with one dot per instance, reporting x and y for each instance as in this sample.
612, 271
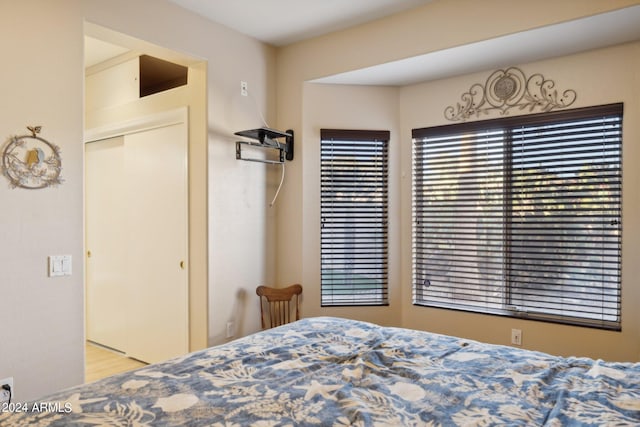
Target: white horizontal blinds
564, 222
354, 216
458, 219
521, 216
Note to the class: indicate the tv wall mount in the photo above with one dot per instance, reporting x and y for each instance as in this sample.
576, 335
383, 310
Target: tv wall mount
267, 138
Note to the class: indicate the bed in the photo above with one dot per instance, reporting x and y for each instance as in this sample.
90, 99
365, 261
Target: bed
338, 372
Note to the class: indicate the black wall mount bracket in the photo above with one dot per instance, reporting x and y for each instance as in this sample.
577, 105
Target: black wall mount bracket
267, 138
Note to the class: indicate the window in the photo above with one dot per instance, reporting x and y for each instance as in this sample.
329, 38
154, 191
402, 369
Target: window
521, 216
353, 202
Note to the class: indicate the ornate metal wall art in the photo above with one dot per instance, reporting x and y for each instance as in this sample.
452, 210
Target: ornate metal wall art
508, 89
31, 162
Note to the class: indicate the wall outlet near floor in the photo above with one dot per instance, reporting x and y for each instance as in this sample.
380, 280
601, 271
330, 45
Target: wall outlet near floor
516, 336
231, 329
244, 90
6, 394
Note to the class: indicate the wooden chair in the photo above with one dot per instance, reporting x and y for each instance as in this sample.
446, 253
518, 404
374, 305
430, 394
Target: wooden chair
277, 305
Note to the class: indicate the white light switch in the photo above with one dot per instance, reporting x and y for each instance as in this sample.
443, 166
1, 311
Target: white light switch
59, 265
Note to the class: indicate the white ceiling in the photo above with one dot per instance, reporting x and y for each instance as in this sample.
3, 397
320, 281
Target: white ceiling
280, 22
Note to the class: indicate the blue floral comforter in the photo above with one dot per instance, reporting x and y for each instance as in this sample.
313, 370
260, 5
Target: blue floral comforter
338, 372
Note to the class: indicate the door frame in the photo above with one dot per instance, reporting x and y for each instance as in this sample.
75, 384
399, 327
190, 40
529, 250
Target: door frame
197, 100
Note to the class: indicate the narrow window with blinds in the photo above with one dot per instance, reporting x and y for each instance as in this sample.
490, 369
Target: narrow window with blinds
353, 203
521, 216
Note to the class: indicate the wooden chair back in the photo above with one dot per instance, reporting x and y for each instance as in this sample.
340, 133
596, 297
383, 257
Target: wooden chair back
279, 305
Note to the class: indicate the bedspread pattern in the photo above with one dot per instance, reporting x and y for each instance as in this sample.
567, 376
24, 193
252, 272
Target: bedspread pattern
338, 372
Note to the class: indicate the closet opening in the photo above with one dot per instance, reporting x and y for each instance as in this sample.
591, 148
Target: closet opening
158, 75
138, 94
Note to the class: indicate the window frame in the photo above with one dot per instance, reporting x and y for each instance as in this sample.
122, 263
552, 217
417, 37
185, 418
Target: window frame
476, 127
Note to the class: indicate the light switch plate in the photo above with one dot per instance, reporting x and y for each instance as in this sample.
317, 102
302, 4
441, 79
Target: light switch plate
60, 265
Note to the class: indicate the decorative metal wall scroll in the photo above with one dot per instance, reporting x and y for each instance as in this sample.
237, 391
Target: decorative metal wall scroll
508, 89
31, 162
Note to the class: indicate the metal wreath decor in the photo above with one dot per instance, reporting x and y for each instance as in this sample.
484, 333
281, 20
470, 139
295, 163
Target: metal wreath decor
508, 89
31, 162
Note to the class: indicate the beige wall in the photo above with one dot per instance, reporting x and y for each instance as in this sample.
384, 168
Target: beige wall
599, 77
238, 216
238, 212
307, 107
41, 336
348, 107
438, 25
42, 340
41, 83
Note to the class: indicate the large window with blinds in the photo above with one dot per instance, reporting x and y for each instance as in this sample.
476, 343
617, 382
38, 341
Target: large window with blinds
521, 216
353, 203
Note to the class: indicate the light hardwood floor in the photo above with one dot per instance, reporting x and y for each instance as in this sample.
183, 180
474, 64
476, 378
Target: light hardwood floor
102, 362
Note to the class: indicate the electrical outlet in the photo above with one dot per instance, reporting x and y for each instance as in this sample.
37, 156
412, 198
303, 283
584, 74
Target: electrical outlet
231, 329
5, 395
244, 89
516, 336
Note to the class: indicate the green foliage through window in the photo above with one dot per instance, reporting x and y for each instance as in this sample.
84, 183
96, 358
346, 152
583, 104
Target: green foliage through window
521, 216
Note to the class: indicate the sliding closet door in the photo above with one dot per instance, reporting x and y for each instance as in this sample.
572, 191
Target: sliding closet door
106, 259
156, 245
136, 236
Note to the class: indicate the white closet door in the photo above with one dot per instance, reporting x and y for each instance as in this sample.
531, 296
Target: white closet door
105, 236
156, 244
